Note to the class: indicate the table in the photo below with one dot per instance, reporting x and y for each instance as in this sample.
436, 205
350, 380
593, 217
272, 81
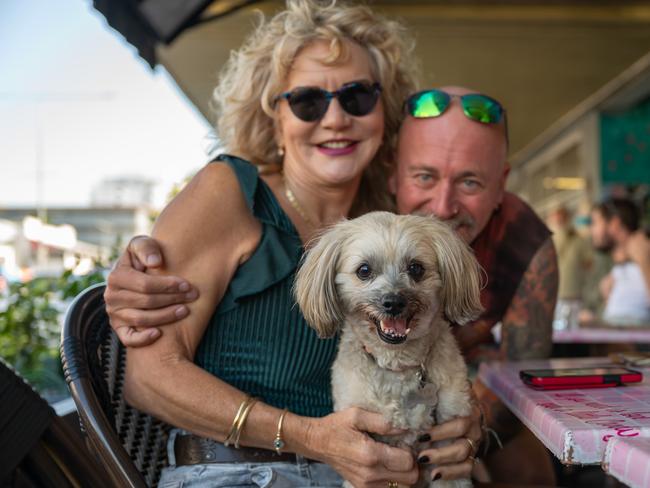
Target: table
628, 460
575, 425
602, 333
596, 333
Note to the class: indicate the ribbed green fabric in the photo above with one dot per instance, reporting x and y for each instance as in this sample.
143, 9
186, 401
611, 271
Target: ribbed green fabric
257, 340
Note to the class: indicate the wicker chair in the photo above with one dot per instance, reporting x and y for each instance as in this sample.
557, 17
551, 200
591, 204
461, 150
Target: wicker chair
130, 444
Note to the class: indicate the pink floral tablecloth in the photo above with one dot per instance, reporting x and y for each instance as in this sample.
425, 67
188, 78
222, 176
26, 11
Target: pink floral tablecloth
576, 425
628, 460
610, 335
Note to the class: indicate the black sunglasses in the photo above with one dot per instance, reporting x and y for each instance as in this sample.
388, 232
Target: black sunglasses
310, 104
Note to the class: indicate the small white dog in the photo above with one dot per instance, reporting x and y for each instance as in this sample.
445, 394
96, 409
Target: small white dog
392, 284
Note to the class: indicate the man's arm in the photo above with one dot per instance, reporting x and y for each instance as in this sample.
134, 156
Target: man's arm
527, 330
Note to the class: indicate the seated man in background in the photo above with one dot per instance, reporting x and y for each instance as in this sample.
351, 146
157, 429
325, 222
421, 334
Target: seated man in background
616, 228
574, 261
454, 167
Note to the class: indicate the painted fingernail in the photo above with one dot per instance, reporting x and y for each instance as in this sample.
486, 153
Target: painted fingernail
153, 260
180, 312
192, 295
424, 438
184, 286
423, 460
437, 477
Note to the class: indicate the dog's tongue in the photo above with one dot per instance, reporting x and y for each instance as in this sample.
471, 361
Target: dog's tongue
398, 326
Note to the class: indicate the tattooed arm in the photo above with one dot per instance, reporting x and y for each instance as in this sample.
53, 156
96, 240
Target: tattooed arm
527, 329
527, 326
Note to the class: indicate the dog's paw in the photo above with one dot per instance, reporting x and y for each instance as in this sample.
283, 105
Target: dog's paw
464, 483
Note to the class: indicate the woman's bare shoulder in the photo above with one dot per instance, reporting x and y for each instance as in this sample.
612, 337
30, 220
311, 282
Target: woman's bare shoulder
209, 217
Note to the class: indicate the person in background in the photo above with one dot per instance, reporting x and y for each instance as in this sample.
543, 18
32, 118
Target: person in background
615, 229
574, 261
601, 264
454, 167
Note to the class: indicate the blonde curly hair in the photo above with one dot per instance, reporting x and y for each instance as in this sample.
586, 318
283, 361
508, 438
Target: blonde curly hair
255, 75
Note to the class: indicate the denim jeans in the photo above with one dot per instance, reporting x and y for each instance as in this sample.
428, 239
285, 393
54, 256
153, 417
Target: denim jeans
302, 473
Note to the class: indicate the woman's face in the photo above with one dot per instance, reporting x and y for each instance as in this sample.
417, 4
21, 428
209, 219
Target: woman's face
338, 147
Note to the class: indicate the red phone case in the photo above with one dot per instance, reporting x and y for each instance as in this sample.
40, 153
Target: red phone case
561, 379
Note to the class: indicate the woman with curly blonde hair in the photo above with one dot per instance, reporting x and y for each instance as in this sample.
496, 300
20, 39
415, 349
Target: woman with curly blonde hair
245, 99
309, 108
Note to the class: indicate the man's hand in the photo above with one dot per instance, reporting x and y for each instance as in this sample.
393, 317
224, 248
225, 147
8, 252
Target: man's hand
456, 458
136, 301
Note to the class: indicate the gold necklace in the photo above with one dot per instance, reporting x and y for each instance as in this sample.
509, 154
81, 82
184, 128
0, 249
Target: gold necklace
295, 204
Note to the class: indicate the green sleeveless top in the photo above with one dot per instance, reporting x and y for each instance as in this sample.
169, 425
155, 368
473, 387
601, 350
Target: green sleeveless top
257, 339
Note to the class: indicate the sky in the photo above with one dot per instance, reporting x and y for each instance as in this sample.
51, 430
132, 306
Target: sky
78, 105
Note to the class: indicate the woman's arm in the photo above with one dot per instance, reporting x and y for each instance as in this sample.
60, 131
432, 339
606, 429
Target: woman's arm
205, 234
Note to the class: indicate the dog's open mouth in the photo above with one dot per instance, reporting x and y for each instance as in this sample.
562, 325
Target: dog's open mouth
393, 330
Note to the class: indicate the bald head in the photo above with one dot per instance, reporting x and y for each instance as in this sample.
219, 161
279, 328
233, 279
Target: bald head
454, 120
451, 166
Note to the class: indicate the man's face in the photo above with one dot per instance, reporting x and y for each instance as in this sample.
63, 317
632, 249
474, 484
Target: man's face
451, 167
600, 237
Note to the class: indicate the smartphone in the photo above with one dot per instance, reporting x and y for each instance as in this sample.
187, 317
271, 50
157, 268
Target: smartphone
592, 377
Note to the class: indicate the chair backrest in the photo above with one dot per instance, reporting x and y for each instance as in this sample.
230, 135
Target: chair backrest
130, 444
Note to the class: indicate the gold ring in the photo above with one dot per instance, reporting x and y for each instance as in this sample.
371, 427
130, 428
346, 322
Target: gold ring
393, 484
472, 446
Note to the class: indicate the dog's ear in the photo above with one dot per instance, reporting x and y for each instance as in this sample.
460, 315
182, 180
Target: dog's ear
315, 286
460, 274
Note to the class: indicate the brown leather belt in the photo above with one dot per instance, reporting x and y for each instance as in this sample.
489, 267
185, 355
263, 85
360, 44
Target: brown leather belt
191, 449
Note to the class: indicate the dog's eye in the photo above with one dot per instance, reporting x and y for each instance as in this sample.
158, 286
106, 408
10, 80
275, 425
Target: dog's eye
364, 272
416, 271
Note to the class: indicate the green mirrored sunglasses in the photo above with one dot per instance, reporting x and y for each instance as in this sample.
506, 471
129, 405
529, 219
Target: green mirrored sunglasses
433, 103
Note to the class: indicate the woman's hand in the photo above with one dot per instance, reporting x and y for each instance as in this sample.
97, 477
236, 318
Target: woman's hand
137, 302
341, 440
456, 459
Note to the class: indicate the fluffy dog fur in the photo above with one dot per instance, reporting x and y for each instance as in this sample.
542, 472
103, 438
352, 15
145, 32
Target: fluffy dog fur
392, 284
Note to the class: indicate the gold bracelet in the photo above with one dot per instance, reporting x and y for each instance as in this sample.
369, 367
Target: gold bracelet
242, 420
278, 443
233, 427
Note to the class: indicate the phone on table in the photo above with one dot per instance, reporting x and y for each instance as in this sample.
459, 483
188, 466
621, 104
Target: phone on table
592, 377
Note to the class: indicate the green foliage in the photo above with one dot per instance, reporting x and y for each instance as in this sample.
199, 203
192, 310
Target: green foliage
30, 325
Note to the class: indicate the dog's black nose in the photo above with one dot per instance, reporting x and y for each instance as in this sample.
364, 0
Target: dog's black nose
393, 303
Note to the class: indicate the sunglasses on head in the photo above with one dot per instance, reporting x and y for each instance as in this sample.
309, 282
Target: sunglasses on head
433, 103
310, 103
